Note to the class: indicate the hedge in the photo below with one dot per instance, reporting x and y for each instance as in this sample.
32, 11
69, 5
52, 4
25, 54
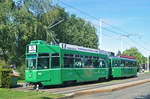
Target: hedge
5, 78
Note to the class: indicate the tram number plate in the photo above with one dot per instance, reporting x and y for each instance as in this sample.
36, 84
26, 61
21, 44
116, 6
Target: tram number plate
32, 48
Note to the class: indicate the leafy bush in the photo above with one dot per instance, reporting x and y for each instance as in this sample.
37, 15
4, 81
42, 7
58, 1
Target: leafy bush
21, 70
3, 64
5, 78
4, 75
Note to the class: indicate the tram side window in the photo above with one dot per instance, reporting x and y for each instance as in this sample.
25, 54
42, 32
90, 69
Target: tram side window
122, 63
68, 61
88, 62
55, 60
134, 64
78, 63
110, 63
102, 64
128, 64
96, 63
115, 64
119, 62
43, 61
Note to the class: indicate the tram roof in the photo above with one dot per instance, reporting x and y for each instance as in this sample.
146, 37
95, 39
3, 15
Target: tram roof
82, 49
73, 47
117, 57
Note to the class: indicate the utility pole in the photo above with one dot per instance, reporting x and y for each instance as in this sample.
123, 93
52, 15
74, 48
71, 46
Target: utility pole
148, 64
100, 31
121, 44
127, 36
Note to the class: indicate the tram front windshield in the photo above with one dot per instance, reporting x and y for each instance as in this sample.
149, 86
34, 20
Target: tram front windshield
31, 61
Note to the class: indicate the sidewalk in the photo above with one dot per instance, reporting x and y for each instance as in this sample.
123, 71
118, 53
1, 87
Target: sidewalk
106, 89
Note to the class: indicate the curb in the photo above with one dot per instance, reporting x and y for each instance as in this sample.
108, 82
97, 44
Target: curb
106, 89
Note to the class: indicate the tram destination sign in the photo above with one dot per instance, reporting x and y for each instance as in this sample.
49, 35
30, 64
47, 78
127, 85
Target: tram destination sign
32, 49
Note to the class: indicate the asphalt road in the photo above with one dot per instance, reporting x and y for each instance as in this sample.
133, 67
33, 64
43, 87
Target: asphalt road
86, 86
93, 85
136, 92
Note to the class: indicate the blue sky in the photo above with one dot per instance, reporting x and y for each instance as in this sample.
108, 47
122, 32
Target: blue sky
132, 16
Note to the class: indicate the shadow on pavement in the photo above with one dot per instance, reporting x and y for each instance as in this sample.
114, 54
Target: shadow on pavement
143, 97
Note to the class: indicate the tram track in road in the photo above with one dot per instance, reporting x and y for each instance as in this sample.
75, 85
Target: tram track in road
87, 86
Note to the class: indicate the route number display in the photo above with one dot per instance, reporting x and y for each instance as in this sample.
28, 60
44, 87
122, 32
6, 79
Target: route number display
32, 48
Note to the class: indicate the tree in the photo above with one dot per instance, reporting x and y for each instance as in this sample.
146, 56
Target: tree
7, 30
119, 53
28, 20
135, 53
76, 31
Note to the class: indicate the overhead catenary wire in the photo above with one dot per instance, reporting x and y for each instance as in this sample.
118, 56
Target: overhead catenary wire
121, 32
85, 13
142, 47
125, 35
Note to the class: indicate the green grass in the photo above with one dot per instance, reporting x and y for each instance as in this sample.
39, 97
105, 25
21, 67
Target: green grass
21, 81
12, 94
147, 72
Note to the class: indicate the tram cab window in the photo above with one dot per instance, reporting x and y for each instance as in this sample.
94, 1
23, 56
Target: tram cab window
55, 60
31, 61
43, 61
